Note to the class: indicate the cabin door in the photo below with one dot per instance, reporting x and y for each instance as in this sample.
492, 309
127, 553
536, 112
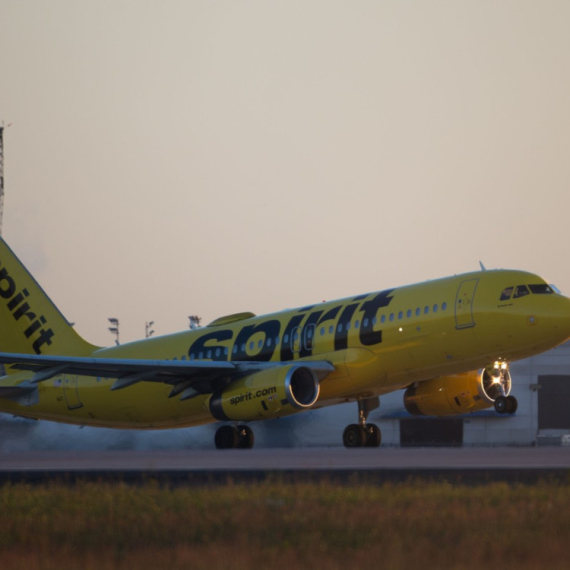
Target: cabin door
464, 304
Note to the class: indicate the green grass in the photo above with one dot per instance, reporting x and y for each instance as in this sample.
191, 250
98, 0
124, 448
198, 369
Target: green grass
278, 525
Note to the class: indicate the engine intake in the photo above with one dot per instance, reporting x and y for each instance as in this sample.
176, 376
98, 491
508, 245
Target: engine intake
459, 393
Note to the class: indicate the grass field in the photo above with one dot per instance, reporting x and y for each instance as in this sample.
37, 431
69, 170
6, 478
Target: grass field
279, 525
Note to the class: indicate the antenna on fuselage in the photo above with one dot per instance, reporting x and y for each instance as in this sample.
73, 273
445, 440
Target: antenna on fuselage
483, 268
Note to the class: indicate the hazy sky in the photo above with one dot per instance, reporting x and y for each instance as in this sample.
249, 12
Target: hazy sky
184, 157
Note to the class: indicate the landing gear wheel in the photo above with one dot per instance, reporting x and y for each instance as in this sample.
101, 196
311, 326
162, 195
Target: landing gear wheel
354, 436
226, 437
512, 404
245, 437
501, 404
373, 435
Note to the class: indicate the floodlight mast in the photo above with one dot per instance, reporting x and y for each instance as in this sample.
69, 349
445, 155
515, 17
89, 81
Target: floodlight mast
114, 329
2, 172
194, 321
1, 175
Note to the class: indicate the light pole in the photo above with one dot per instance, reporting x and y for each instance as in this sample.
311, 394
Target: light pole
115, 329
147, 331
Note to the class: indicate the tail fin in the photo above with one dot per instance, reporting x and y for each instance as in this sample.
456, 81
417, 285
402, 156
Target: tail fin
29, 322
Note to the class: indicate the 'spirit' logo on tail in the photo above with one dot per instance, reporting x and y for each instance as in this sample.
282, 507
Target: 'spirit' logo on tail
19, 308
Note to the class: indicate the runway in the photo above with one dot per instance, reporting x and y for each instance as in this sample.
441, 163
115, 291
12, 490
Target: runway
469, 464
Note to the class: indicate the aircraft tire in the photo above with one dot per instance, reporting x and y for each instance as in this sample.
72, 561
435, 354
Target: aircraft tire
354, 436
501, 405
512, 404
226, 437
245, 437
373, 435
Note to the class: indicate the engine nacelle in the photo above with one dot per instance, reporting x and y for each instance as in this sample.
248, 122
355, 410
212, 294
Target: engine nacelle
271, 393
458, 394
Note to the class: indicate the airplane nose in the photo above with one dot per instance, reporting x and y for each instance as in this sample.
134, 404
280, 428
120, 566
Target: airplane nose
559, 318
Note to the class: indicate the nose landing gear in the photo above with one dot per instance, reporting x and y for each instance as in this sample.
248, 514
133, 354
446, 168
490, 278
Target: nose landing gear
506, 404
501, 380
363, 434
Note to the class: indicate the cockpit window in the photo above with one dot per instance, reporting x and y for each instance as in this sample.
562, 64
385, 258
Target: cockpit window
521, 291
506, 294
542, 289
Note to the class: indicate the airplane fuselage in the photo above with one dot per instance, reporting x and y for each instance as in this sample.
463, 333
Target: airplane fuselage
377, 343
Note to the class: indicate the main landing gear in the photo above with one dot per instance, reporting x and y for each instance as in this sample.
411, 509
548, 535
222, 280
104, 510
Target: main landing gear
363, 434
230, 437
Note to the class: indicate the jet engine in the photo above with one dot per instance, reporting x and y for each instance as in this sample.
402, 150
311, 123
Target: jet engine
462, 393
271, 393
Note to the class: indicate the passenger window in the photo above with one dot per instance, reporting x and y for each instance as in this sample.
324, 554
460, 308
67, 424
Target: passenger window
542, 289
365, 322
426, 310
383, 319
409, 313
521, 291
444, 306
435, 308
506, 294
331, 329
418, 312
400, 315
357, 324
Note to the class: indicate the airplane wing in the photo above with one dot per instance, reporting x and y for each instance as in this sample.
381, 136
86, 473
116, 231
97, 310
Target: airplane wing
202, 376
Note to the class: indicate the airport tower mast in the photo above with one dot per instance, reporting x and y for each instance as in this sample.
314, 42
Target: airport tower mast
1, 176
2, 173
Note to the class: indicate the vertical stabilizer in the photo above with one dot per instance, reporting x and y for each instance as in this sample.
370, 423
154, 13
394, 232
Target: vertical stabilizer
29, 322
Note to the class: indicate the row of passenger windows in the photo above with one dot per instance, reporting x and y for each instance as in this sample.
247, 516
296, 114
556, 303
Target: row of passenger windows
310, 330
522, 290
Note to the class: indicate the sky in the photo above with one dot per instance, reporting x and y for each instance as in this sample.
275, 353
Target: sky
177, 158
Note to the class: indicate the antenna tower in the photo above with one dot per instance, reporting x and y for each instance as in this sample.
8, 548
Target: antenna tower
1, 176
2, 127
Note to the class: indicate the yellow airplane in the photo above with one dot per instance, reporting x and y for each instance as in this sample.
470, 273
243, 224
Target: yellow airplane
447, 343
